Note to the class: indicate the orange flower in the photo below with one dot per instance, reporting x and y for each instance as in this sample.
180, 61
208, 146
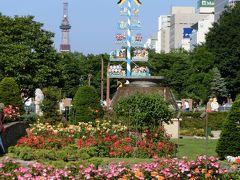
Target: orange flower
154, 174
161, 178
192, 178
123, 178
138, 174
210, 171
196, 170
208, 176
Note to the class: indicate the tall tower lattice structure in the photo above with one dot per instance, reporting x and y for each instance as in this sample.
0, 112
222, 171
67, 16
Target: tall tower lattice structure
65, 27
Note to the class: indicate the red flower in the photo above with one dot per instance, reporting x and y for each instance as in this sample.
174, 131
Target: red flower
238, 160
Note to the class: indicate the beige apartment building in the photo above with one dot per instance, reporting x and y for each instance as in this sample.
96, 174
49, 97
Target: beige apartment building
181, 17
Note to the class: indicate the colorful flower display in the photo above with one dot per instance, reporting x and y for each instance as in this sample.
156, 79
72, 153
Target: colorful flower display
111, 140
159, 169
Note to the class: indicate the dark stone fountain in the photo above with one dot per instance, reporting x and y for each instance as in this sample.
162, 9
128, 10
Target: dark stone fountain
148, 84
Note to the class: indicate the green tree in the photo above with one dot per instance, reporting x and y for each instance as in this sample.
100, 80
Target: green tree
71, 73
27, 54
173, 66
188, 74
50, 104
86, 105
223, 41
199, 74
143, 110
10, 93
218, 85
229, 143
76, 69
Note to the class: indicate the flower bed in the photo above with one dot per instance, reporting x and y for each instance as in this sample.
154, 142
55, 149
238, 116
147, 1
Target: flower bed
110, 140
160, 169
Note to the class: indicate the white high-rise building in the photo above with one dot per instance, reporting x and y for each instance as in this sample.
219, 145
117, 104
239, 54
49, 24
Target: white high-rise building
220, 6
162, 44
201, 28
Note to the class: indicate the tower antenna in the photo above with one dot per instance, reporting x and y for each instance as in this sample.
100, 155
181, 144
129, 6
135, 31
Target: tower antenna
65, 27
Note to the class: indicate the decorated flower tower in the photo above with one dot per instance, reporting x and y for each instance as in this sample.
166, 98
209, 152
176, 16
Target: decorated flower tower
124, 60
129, 38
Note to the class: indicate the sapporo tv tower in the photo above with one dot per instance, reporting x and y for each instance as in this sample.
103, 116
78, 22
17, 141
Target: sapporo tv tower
65, 27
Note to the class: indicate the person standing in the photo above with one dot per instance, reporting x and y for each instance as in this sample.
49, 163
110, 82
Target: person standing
186, 106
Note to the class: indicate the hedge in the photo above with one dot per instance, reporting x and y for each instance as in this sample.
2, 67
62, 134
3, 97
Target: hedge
192, 120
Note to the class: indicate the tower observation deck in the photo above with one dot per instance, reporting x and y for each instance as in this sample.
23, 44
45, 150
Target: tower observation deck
65, 27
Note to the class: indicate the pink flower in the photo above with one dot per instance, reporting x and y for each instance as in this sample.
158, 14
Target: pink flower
1, 165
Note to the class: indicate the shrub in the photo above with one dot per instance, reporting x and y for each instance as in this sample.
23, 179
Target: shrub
193, 132
143, 110
192, 120
86, 105
10, 93
229, 142
29, 118
65, 154
50, 104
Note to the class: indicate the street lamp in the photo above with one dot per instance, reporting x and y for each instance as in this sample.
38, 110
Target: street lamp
205, 115
178, 118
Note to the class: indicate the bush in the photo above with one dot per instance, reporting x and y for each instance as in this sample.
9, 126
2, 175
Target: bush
86, 105
50, 104
68, 153
193, 132
10, 93
29, 118
192, 120
143, 110
229, 142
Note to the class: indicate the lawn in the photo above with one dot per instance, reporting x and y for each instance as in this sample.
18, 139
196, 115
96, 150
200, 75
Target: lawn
191, 147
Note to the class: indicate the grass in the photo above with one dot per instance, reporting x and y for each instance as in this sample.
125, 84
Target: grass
127, 160
191, 148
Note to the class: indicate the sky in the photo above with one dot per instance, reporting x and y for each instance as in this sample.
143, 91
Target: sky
93, 22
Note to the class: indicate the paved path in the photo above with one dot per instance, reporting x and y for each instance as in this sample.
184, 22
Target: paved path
22, 162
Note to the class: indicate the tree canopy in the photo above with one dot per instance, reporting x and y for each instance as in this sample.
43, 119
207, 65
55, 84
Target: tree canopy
27, 53
223, 41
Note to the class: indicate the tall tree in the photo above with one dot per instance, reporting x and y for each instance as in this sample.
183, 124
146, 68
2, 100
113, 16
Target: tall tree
218, 85
223, 41
27, 53
71, 73
199, 74
173, 66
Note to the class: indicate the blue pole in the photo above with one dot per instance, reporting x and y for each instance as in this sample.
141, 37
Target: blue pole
129, 39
